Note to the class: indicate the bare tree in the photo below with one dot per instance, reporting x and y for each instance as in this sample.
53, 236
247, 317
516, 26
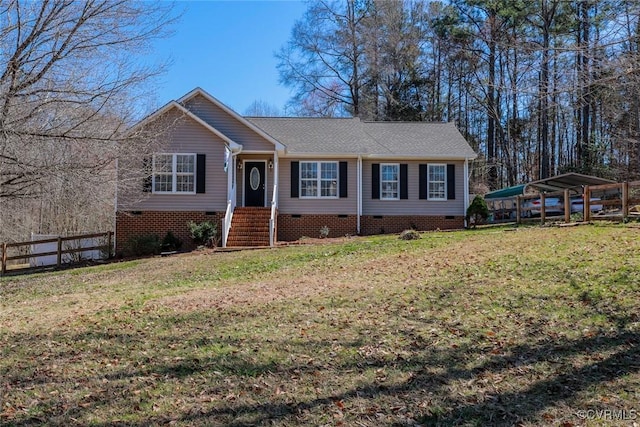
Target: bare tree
261, 108
324, 56
70, 87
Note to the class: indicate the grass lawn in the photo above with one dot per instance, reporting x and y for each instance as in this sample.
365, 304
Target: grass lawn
529, 326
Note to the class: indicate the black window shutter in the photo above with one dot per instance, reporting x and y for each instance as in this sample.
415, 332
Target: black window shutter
147, 170
295, 179
451, 182
201, 172
404, 182
375, 181
343, 179
422, 176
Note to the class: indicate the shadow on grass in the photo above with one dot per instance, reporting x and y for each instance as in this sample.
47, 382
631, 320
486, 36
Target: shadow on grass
115, 390
498, 409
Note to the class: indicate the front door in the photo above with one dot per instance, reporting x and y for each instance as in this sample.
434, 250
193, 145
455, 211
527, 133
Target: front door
254, 183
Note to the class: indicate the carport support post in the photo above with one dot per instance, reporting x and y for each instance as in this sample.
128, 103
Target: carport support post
567, 206
586, 204
518, 212
543, 208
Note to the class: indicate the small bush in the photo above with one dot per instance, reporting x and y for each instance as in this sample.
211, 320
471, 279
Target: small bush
204, 233
477, 212
171, 242
409, 235
143, 244
324, 232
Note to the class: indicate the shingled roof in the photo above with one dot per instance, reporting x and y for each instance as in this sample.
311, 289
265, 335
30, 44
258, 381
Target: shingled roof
351, 136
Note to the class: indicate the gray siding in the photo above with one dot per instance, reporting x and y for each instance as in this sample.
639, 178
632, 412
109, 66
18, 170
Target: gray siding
191, 137
413, 205
228, 125
289, 205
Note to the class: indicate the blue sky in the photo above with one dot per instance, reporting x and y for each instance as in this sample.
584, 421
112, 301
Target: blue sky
227, 48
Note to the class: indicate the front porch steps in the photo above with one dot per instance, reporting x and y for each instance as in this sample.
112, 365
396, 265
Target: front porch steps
249, 227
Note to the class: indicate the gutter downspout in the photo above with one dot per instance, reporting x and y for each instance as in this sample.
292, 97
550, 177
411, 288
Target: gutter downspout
359, 195
466, 190
274, 200
112, 250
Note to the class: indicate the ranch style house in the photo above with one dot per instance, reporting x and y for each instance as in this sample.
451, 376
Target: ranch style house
269, 179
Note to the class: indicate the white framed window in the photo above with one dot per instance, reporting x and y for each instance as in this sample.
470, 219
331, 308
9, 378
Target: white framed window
436, 182
389, 181
319, 179
174, 173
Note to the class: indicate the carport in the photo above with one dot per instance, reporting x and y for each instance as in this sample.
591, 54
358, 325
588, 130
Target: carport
550, 195
574, 182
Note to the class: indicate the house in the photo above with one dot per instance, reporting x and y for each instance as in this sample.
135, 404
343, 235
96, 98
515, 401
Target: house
264, 179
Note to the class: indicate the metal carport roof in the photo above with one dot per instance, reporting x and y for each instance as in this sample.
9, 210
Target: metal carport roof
570, 180
516, 190
567, 180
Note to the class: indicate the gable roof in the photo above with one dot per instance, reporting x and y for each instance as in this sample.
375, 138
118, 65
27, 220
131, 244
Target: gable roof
174, 105
201, 92
337, 137
351, 136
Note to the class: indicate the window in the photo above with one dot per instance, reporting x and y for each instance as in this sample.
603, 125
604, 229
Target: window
174, 173
319, 179
389, 181
437, 182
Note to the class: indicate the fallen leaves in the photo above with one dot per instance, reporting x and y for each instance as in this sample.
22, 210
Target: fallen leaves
463, 328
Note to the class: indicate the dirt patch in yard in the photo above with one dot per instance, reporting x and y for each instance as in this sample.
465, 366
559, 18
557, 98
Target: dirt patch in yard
347, 275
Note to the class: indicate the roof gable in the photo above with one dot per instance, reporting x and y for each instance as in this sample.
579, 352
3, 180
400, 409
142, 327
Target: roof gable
199, 92
182, 110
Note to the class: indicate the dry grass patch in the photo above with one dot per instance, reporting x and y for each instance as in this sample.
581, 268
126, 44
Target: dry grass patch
494, 327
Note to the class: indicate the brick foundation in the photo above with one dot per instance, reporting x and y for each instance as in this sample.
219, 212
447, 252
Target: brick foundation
292, 227
372, 224
134, 223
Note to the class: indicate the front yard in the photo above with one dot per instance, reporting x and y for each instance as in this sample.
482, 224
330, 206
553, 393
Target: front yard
528, 326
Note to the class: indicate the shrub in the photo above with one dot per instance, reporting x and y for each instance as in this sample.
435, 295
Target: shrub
204, 233
171, 242
409, 235
477, 212
324, 232
143, 244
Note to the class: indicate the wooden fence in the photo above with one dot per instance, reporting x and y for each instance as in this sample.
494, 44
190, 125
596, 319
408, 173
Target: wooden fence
616, 202
25, 254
